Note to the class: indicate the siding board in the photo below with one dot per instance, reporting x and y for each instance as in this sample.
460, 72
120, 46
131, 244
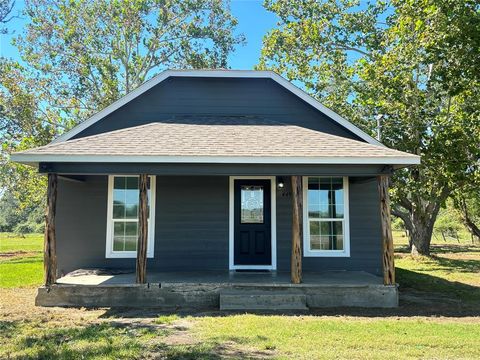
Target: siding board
192, 226
184, 96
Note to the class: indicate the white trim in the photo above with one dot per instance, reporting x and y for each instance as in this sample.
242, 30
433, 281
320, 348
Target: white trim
218, 74
231, 223
307, 252
109, 253
386, 160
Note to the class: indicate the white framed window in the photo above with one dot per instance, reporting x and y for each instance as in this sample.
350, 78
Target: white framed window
122, 216
326, 230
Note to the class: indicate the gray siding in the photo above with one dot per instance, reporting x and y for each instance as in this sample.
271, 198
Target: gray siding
192, 226
182, 96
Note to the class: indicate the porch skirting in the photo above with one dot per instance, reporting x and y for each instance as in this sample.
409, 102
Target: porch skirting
247, 291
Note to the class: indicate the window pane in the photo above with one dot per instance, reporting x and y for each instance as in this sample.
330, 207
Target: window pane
131, 211
324, 242
315, 242
130, 243
313, 210
314, 228
119, 182
118, 243
118, 211
339, 242
118, 228
251, 204
131, 183
131, 228
118, 196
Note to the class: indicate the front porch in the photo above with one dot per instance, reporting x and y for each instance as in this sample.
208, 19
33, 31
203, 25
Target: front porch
225, 290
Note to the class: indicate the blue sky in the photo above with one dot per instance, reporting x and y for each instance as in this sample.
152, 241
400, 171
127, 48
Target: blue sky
254, 23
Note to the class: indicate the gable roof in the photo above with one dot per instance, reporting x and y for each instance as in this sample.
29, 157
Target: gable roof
217, 140
218, 74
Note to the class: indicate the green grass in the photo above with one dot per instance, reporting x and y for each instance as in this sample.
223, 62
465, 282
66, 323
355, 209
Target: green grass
350, 338
33, 340
452, 270
21, 265
21, 272
10, 242
453, 273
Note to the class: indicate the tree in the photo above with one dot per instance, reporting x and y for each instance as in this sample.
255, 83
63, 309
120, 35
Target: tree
467, 203
414, 64
24, 123
93, 52
80, 56
6, 7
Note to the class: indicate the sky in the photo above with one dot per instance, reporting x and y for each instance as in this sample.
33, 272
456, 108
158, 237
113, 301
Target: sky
253, 21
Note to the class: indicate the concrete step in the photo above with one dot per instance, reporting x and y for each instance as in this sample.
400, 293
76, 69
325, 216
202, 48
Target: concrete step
256, 300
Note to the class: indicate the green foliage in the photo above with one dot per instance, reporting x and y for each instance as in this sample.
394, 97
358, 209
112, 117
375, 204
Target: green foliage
17, 218
81, 56
448, 223
6, 7
414, 65
92, 53
397, 224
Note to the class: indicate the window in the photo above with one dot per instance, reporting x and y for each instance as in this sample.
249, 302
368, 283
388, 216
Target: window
326, 228
122, 224
251, 204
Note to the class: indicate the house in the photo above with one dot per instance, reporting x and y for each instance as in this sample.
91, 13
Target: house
202, 187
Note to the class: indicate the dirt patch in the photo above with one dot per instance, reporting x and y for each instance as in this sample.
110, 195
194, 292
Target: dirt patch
18, 254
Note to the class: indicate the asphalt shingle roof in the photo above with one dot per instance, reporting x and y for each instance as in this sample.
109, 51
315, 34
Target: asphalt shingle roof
219, 137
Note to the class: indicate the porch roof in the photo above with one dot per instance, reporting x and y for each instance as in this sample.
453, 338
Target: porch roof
216, 140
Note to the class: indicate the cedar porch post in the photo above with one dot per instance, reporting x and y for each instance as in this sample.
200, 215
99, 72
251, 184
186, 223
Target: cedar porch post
297, 229
49, 242
387, 238
141, 275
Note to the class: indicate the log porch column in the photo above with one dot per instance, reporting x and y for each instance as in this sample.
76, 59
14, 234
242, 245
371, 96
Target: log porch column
141, 274
387, 238
297, 229
50, 241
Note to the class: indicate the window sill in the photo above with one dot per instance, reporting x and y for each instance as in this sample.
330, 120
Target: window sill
331, 253
125, 255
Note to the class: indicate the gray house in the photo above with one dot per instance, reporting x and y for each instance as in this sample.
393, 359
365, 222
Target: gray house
201, 188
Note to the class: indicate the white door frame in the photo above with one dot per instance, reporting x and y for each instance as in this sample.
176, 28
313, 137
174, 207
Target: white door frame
273, 232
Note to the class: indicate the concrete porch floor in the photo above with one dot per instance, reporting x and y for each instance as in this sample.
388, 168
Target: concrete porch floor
225, 290
332, 278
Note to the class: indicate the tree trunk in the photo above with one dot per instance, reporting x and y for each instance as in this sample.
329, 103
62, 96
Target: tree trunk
470, 225
421, 233
297, 227
50, 241
419, 223
387, 237
141, 276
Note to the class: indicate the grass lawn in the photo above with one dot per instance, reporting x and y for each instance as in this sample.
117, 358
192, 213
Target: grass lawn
21, 260
11, 243
439, 318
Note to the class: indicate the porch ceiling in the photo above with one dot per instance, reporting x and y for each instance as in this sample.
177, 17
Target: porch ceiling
216, 140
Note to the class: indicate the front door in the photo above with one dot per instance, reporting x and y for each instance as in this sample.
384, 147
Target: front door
252, 223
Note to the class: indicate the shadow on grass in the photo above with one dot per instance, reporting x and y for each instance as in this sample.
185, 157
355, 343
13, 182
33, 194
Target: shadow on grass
459, 265
443, 248
38, 341
109, 340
